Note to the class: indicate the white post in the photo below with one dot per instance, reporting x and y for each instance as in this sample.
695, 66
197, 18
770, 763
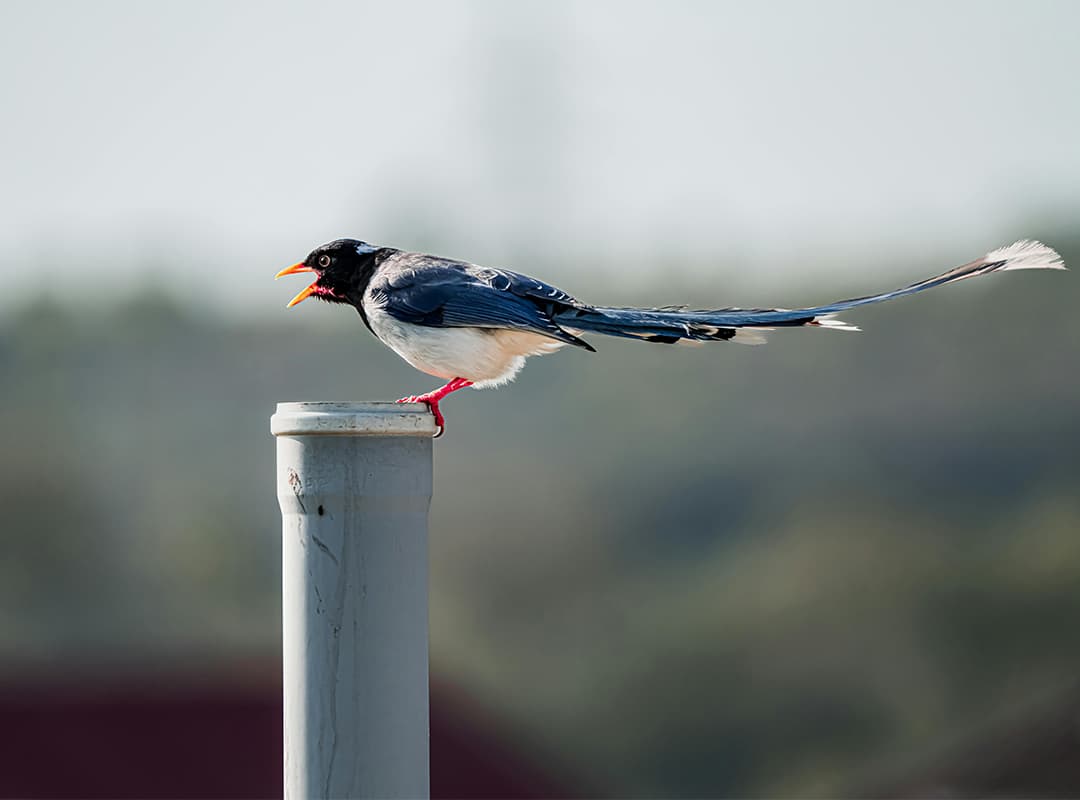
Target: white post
354, 486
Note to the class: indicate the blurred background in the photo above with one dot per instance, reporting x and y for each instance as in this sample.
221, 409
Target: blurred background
837, 565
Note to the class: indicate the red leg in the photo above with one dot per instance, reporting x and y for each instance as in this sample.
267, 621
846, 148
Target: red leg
431, 399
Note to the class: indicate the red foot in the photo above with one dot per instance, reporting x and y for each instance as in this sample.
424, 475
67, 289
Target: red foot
431, 399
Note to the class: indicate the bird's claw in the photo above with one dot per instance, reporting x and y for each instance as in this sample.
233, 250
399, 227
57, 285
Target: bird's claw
433, 405
431, 400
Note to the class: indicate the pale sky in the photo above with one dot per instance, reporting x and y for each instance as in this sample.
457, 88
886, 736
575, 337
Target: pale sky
221, 141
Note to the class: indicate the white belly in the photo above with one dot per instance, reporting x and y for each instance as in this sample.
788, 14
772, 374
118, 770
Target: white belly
485, 356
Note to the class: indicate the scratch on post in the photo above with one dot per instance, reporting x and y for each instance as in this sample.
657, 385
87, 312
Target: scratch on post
332, 704
322, 546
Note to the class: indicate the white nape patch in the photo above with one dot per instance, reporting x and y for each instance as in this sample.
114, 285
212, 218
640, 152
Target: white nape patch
830, 322
751, 336
1026, 254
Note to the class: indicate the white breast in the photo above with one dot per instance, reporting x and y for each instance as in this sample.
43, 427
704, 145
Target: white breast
485, 356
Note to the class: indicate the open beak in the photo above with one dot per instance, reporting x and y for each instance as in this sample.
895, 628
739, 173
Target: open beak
293, 270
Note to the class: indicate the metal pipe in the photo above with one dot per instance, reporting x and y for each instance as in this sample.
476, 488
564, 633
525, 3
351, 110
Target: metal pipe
354, 486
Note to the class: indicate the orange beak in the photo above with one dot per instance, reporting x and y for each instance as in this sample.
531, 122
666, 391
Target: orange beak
293, 270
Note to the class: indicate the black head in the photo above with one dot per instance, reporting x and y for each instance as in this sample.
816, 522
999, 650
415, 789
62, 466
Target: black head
342, 268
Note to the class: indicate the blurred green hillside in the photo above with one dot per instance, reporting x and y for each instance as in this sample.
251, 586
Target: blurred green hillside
684, 571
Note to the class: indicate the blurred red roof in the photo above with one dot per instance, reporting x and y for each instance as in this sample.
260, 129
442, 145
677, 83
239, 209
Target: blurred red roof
215, 736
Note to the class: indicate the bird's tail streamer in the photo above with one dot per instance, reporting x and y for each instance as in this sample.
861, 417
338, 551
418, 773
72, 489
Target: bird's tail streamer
673, 325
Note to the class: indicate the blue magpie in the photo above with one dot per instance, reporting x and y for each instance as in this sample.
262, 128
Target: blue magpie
475, 326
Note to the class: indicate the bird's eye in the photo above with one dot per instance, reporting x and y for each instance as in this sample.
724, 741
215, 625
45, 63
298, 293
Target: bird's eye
324, 261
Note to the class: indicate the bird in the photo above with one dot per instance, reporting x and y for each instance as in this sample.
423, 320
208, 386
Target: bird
476, 326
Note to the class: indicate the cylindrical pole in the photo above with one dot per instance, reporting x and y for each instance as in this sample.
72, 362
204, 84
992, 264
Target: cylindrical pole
354, 485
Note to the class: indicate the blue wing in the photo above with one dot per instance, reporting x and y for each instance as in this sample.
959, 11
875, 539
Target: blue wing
434, 292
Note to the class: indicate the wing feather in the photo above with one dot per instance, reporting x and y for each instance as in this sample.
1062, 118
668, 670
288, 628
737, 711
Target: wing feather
435, 292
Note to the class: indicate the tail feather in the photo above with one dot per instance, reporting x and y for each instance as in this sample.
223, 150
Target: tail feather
669, 326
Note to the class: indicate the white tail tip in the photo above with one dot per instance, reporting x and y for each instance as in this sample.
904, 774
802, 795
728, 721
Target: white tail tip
832, 323
1026, 254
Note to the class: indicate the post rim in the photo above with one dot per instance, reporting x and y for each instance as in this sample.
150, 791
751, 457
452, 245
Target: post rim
352, 418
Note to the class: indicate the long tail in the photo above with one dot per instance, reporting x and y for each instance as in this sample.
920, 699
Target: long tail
671, 325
